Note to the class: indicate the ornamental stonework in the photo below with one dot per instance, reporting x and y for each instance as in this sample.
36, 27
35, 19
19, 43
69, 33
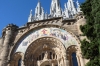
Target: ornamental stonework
52, 40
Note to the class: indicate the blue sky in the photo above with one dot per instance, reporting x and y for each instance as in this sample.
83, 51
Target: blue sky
17, 11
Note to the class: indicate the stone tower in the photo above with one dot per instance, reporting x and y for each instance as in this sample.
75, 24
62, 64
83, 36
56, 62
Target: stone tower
47, 39
7, 41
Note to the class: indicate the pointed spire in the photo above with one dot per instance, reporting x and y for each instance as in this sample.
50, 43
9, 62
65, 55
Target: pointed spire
46, 15
39, 11
39, 7
66, 13
71, 6
65, 5
55, 8
77, 3
31, 12
78, 6
30, 16
42, 13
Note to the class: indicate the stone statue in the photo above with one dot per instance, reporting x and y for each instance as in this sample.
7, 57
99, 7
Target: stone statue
46, 55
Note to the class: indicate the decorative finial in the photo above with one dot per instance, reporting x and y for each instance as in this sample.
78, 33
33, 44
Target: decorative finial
65, 6
30, 16
31, 11
78, 3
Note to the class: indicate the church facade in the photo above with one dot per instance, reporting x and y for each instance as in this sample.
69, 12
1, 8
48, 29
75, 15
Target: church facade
47, 39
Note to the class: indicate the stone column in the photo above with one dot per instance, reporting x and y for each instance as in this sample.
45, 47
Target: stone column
6, 45
1, 46
38, 63
52, 64
65, 62
22, 63
8, 65
1, 42
58, 63
80, 59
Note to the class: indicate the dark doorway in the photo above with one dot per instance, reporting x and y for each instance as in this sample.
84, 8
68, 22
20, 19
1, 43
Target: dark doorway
74, 59
19, 62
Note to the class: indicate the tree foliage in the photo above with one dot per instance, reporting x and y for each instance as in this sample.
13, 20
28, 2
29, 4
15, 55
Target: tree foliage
91, 48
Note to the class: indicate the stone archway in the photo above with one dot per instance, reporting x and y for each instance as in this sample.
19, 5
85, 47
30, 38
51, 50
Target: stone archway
45, 51
16, 58
74, 49
54, 40
70, 50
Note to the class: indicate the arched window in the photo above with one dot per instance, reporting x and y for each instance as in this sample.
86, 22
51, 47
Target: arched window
50, 55
53, 56
19, 62
39, 57
74, 59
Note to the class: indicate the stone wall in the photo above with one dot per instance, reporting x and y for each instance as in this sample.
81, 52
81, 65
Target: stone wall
71, 25
1, 47
1, 44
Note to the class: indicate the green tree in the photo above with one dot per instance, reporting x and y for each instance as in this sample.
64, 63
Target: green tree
91, 48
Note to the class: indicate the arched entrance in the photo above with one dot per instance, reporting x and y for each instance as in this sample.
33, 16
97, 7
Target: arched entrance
45, 51
17, 59
48, 47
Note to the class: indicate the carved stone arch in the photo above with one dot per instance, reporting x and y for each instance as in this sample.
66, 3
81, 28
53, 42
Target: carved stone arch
40, 27
45, 44
15, 58
36, 28
26, 33
70, 50
53, 39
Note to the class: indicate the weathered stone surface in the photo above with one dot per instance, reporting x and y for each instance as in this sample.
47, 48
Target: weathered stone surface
1, 44
46, 40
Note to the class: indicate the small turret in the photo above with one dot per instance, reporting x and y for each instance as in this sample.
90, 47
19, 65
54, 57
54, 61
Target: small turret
9, 35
